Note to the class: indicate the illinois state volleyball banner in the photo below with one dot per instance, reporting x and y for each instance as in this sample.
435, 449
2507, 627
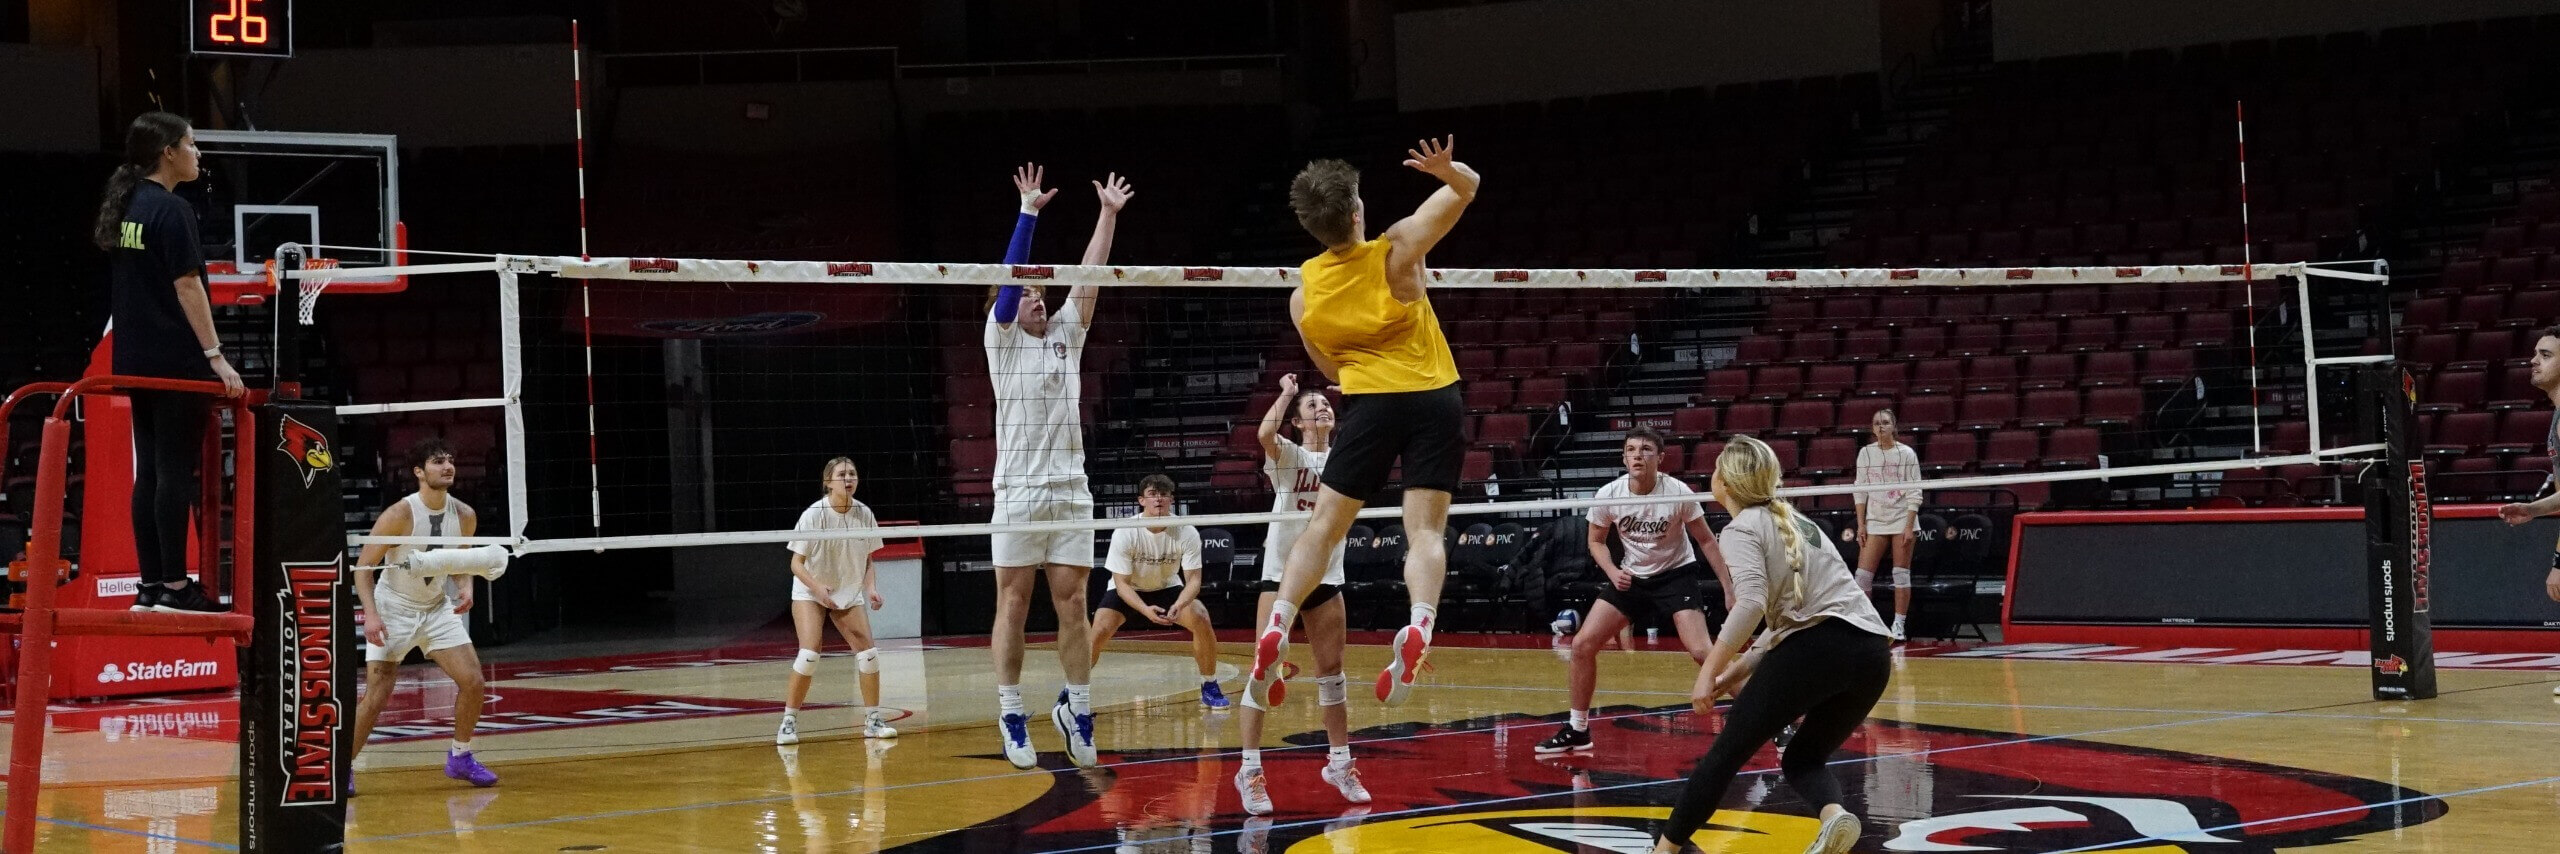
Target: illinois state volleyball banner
297, 688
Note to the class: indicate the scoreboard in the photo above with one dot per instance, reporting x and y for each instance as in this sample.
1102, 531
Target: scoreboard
262, 28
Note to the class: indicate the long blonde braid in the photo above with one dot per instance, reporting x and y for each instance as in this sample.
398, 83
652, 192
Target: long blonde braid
1750, 471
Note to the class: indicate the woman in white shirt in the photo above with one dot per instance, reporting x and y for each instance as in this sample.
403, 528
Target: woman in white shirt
1825, 654
1887, 516
832, 582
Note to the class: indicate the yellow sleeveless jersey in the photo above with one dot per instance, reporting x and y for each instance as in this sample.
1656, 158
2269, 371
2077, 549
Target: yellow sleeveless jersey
1382, 344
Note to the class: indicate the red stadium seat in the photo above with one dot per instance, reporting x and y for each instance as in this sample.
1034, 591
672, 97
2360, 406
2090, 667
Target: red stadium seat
1990, 373
2048, 408
2168, 367
2084, 334
1726, 385
2112, 407
1936, 376
1487, 396
1925, 413
2070, 448
1830, 381
1921, 340
1540, 394
2108, 369
1690, 424
1982, 411
1947, 452
2148, 331
1749, 419
1776, 382
1829, 456
2049, 370
1858, 413
1800, 418
2033, 336
1882, 379
2008, 451
2459, 434
1505, 432
1861, 345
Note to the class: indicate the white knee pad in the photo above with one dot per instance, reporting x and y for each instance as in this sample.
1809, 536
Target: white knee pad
806, 664
1901, 578
866, 661
1330, 691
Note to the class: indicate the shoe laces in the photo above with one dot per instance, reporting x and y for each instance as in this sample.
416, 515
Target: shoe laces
1017, 729
1255, 789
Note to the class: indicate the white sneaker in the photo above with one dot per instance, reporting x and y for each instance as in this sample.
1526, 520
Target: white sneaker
1077, 730
1255, 837
1838, 833
1897, 630
1016, 729
1346, 780
874, 727
1250, 789
790, 731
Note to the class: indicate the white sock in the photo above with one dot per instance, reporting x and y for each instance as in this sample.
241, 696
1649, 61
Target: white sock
461, 746
1581, 719
788, 711
1866, 578
1897, 621
1009, 699
1423, 617
1283, 615
1080, 699
1253, 759
1338, 757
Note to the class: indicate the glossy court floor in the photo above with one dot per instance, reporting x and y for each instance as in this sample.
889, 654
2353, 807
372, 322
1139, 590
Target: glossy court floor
1997, 748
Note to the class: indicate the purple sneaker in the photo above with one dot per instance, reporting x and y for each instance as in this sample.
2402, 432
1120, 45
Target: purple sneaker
461, 766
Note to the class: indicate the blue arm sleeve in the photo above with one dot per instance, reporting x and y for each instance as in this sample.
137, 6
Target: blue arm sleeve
1009, 297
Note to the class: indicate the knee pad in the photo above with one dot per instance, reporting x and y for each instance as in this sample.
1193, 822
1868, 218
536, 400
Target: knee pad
1330, 691
1901, 578
866, 661
806, 664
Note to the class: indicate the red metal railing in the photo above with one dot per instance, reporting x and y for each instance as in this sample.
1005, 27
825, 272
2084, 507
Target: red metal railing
40, 621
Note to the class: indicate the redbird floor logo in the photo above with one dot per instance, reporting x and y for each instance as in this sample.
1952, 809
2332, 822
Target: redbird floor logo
1476, 786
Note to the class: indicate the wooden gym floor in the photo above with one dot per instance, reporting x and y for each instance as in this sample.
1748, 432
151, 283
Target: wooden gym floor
1995, 748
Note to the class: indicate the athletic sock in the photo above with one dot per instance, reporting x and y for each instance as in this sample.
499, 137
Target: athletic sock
1423, 616
1283, 615
1253, 759
1338, 757
1581, 719
1080, 699
461, 746
1009, 699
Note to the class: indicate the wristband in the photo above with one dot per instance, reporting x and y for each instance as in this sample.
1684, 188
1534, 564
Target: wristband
213, 352
2555, 561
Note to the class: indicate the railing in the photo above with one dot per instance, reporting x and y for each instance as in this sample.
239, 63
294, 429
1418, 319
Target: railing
40, 620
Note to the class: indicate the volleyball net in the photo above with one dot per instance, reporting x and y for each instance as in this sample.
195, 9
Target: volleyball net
655, 402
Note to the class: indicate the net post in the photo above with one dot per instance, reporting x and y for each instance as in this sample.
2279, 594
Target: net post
287, 328
2398, 517
297, 722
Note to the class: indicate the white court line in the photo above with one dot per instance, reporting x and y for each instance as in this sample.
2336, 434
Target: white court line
2062, 708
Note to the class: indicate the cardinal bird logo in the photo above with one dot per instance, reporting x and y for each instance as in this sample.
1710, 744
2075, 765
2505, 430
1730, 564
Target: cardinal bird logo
308, 448
2392, 666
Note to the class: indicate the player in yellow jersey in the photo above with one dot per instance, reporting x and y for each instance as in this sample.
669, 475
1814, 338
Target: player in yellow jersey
1364, 310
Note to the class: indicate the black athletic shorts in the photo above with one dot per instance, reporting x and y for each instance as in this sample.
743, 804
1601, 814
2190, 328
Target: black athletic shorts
1665, 594
1159, 598
1322, 594
1425, 429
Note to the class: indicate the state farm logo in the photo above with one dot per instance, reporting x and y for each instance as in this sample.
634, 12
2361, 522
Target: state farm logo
140, 671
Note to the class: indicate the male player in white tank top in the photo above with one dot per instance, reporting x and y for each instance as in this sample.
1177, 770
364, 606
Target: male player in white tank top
1296, 470
1036, 363
404, 611
1887, 517
1656, 574
832, 582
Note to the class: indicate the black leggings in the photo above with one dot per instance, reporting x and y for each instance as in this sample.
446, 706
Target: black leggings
1830, 674
168, 445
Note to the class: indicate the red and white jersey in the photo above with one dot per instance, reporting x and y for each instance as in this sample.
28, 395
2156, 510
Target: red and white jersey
1297, 475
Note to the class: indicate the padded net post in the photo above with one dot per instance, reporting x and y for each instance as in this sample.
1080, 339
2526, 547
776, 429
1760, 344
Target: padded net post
297, 718
2397, 521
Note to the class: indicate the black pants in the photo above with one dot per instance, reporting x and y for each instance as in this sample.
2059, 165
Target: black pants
168, 445
1830, 674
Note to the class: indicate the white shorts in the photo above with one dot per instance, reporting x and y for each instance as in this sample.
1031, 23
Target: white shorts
1067, 500
406, 628
1881, 526
846, 596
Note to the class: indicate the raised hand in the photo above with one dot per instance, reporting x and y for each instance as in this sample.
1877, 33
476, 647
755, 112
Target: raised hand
1026, 181
1438, 157
1114, 191
1288, 385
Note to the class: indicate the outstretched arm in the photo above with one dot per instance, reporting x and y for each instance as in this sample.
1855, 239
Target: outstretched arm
1269, 431
1412, 237
1114, 192
1026, 182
